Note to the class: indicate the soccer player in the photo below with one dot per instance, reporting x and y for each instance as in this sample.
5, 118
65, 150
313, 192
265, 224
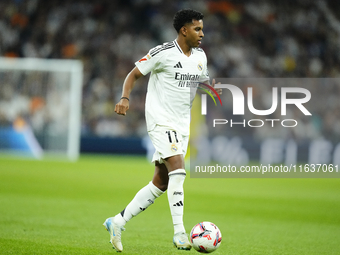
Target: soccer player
175, 69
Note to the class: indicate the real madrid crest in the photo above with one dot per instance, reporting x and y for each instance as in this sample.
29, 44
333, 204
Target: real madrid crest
200, 66
174, 147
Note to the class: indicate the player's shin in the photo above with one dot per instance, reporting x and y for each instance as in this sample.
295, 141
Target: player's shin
142, 200
176, 198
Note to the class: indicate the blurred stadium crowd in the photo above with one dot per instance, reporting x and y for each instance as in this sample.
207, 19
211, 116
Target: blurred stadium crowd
267, 38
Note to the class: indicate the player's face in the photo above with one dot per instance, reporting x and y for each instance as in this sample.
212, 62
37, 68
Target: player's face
194, 33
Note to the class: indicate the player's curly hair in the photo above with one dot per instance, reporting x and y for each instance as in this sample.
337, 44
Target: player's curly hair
185, 16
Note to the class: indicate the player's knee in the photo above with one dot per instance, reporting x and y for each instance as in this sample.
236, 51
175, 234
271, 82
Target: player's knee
163, 186
174, 162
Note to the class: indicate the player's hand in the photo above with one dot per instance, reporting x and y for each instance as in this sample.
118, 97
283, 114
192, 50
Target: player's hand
219, 91
122, 107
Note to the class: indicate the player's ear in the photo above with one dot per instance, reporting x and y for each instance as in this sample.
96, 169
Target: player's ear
183, 30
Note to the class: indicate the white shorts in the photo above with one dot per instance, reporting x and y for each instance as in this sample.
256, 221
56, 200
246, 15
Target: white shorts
167, 142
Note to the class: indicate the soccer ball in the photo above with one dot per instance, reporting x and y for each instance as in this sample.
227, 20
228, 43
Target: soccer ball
205, 237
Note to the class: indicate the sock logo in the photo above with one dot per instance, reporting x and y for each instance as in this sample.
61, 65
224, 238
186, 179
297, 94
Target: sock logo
142, 209
150, 201
122, 212
180, 203
178, 193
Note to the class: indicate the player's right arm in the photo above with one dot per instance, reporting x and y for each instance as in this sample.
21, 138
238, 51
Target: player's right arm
145, 65
130, 80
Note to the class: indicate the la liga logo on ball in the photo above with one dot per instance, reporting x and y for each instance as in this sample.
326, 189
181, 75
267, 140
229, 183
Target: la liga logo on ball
205, 237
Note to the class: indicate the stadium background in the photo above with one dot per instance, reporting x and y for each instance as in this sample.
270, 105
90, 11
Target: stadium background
242, 39
57, 207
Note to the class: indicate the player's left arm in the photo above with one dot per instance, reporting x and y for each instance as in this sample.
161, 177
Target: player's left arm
205, 79
218, 90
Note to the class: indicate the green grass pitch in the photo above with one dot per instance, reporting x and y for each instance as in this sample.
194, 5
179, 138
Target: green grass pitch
51, 207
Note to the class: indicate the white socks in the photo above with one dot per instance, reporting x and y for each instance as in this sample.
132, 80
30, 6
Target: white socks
176, 198
143, 199
147, 195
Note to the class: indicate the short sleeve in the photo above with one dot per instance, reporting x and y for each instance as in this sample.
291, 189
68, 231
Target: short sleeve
205, 73
149, 62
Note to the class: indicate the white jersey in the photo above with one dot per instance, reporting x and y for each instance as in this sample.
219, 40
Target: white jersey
172, 85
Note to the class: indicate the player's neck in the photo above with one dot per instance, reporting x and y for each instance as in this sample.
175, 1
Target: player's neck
184, 46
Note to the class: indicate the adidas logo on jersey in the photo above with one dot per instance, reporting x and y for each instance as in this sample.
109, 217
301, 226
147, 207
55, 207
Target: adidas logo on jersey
180, 203
178, 65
